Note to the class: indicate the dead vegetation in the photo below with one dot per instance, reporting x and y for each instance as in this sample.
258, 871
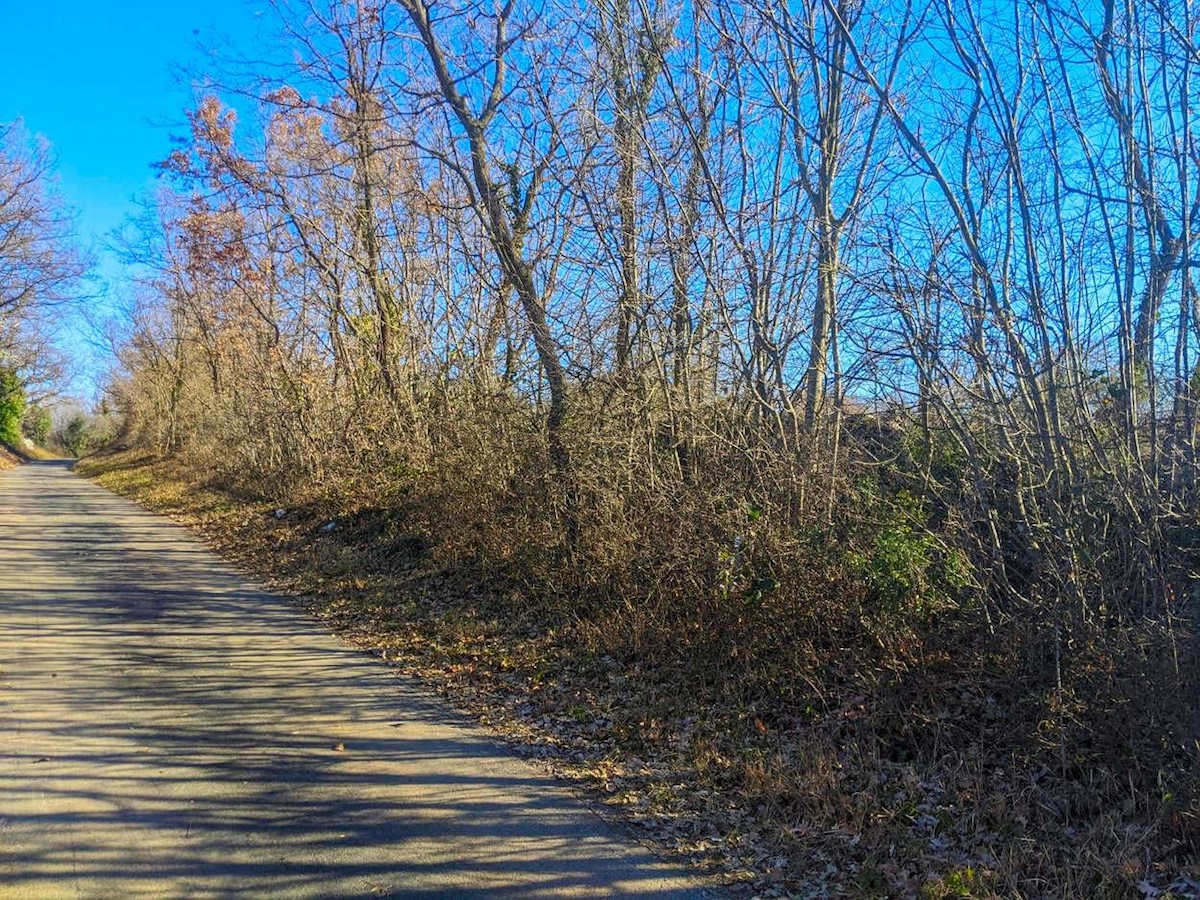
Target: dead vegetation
801, 741
799, 441
8, 459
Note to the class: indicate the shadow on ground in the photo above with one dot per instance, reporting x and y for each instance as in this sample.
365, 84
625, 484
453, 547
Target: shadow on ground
167, 730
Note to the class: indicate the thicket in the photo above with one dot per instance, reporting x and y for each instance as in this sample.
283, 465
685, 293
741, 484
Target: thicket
831, 361
80, 433
36, 424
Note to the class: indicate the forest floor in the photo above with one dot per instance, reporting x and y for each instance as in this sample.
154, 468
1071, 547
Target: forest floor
691, 777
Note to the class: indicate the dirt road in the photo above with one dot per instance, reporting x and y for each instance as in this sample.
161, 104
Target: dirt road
167, 730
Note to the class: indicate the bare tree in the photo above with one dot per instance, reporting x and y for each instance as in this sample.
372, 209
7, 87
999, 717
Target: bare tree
499, 191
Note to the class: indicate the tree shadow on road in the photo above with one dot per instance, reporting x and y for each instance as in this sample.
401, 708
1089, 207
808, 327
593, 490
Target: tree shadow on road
169, 731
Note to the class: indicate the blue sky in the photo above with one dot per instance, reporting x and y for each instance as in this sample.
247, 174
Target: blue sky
100, 82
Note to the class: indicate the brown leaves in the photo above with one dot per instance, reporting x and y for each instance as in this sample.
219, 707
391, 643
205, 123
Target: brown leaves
889, 782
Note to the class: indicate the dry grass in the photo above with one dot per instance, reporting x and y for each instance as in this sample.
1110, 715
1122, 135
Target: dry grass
785, 739
15, 456
9, 458
33, 451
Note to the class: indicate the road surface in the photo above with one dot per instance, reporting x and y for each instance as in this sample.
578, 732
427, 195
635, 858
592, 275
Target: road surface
167, 730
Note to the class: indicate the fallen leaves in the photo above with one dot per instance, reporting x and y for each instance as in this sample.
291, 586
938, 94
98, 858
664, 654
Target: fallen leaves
793, 800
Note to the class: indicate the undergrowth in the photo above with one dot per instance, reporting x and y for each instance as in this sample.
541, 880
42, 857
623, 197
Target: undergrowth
830, 711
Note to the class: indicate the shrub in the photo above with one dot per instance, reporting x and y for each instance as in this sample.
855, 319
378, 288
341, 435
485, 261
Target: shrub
12, 405
36, 424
